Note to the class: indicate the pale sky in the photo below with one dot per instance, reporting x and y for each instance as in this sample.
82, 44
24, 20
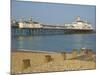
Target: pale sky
52, 13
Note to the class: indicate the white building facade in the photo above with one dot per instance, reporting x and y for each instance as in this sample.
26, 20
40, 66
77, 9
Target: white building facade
79, 25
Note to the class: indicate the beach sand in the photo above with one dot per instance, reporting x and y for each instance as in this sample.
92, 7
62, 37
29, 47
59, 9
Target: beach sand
32, 61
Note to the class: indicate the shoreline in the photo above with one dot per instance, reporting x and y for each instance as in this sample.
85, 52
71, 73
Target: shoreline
44, 51
29, 50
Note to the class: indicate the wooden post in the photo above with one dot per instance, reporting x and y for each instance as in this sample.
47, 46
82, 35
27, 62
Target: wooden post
89, 53
64, 55
48, 58
74, 53
26, 63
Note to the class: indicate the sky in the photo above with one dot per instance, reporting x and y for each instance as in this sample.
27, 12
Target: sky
52, 13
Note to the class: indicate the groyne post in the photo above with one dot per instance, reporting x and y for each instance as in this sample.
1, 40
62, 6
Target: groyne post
74, 53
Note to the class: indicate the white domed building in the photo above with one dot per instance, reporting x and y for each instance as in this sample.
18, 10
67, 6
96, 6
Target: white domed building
79, 24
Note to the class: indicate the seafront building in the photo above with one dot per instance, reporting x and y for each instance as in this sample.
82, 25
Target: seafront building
79, 24
29, 24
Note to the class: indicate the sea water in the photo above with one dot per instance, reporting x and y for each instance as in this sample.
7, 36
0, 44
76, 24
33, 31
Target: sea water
55, 42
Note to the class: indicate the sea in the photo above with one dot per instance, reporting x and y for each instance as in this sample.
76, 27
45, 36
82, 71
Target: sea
58, 43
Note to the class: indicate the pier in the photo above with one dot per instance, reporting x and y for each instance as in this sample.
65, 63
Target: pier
30, 28
46, 31
36, 31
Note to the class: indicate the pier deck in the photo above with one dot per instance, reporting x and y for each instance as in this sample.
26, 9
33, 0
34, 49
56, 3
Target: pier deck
47, 31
